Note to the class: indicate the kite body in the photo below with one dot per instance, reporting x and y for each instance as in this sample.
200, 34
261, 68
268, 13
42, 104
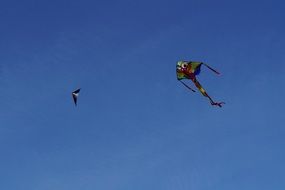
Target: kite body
189, 70
75, 96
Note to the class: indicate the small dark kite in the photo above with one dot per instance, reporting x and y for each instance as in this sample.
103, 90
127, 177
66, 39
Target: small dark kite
75, 96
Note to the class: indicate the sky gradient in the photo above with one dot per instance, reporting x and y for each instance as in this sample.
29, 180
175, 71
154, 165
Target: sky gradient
135, 126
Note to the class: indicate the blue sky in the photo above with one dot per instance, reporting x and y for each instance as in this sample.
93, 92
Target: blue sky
135, 126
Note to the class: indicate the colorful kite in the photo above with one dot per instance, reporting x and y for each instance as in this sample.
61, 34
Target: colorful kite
189, 70
75, 96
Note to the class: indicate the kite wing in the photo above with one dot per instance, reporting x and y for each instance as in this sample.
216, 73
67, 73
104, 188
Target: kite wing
75, 95
187, 69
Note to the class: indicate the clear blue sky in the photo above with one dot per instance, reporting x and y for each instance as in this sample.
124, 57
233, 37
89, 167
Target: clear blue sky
135, 126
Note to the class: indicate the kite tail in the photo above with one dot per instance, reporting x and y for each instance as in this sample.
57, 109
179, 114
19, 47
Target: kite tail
211, 69
187, 86
218, 104
203, 91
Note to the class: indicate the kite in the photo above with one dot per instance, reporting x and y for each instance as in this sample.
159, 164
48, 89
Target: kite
75, 96
189, 70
